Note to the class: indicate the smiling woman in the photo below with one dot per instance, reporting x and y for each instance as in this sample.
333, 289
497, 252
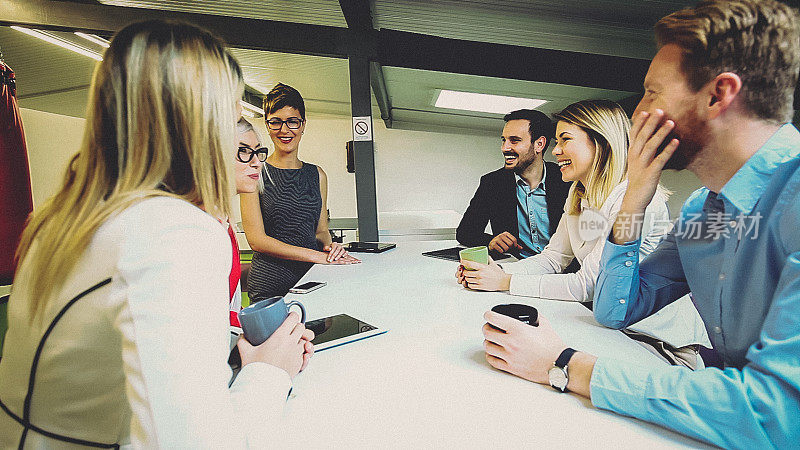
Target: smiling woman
591, 148
286, 223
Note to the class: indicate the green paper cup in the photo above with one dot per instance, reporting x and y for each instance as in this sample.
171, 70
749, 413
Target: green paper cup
476, 254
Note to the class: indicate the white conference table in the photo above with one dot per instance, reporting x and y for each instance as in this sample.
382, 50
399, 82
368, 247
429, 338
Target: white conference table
426, 383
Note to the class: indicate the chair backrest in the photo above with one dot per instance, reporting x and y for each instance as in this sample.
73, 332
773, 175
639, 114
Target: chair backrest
3, 321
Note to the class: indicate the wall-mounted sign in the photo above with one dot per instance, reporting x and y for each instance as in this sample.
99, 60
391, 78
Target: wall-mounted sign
362, 128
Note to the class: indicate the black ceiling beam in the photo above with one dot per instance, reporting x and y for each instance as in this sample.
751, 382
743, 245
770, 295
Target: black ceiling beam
378, 83
419, 51
256, 34
357, 14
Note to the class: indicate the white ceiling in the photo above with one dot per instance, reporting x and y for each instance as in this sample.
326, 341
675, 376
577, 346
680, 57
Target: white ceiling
608, 27
413, 93
323, 82
316, 12
55, 80
49, 78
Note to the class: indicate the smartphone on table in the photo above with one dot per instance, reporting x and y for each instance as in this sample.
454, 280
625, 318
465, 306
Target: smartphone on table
307, 287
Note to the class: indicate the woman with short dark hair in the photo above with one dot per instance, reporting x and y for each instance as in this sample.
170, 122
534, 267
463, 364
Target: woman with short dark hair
287, 224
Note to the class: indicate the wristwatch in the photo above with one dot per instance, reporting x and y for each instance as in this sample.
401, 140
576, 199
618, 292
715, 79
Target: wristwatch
559, 377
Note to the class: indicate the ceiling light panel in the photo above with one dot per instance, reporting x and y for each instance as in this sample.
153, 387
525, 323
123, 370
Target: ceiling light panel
495, 104
61, 42
95, 39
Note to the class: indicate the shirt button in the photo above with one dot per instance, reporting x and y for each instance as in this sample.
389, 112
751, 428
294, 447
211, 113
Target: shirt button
622, 301
629, 253
722, 276
628, 263
717, 330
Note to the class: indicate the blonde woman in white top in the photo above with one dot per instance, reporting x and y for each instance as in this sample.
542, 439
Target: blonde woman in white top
118, 318
591, 148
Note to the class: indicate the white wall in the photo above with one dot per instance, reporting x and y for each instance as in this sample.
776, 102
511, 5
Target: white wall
415, 170
52, 139
422, 171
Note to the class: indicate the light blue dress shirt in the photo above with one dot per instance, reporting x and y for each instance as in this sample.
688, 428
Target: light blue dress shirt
532, 219
739, 253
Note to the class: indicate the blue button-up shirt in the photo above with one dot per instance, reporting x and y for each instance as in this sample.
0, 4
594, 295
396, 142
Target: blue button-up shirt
533, 222
738, 252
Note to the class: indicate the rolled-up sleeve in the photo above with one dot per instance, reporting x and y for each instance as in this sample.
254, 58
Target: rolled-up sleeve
628, 291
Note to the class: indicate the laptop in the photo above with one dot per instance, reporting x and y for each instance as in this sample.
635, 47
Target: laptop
369, 247
451, 254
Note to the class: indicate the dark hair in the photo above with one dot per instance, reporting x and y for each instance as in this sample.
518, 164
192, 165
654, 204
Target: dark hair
283, 95
538, 123
759, 40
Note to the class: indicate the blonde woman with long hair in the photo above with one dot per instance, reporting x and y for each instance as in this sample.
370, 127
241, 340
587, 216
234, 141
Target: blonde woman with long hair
118, 316
591, 146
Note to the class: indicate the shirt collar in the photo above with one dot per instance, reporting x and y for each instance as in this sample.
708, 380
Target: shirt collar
749, 182
521, 182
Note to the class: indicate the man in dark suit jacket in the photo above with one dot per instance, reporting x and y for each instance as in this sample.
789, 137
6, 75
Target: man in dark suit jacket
498, 200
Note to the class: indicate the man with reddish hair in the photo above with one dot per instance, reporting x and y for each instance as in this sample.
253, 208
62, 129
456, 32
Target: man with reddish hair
718, 99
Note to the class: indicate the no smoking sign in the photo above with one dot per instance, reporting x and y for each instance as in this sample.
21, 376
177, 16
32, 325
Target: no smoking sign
362, 128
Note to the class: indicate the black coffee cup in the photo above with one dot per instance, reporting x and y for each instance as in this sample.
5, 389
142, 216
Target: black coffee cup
524, 313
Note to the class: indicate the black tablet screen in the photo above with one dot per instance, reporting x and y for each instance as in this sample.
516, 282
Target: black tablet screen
335, 327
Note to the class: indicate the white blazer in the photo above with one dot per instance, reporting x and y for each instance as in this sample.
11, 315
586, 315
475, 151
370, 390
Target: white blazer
142, 360
540, 275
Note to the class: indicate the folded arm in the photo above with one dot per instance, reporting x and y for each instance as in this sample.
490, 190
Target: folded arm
540, 275
628, 291
253, 224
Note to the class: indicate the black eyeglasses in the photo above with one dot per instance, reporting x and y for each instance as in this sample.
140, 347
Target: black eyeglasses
245, 154
292, 123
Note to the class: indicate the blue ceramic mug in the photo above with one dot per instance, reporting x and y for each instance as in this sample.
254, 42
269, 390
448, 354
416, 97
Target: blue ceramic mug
261, 319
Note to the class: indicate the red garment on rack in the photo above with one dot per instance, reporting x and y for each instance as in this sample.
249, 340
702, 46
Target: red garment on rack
16, 199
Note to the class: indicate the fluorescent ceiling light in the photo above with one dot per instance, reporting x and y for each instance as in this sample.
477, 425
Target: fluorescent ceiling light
94, 38
53, 39
252, 108
472, 101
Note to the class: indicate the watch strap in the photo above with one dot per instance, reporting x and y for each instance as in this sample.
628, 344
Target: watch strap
564, 357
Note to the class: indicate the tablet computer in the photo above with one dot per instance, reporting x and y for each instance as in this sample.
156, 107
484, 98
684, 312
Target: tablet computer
369, 247
333, 331
452, 254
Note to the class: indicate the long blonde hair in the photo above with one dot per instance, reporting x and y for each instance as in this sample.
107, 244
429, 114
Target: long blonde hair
160, 122
607, 126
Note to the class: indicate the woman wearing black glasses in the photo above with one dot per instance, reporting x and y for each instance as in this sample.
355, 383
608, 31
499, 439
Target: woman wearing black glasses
250, 157
286, 224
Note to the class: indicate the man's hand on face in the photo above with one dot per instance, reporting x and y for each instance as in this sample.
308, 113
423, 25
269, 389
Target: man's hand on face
504, 242
649, 132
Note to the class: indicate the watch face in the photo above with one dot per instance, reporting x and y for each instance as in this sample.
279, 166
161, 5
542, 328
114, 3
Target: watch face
558, 378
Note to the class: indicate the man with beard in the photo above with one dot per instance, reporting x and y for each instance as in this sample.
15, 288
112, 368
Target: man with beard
718, 98
523, 201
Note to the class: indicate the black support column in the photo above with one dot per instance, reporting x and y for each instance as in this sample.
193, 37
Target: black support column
363, 151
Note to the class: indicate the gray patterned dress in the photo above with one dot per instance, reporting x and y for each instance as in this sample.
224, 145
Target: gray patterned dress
290, 208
